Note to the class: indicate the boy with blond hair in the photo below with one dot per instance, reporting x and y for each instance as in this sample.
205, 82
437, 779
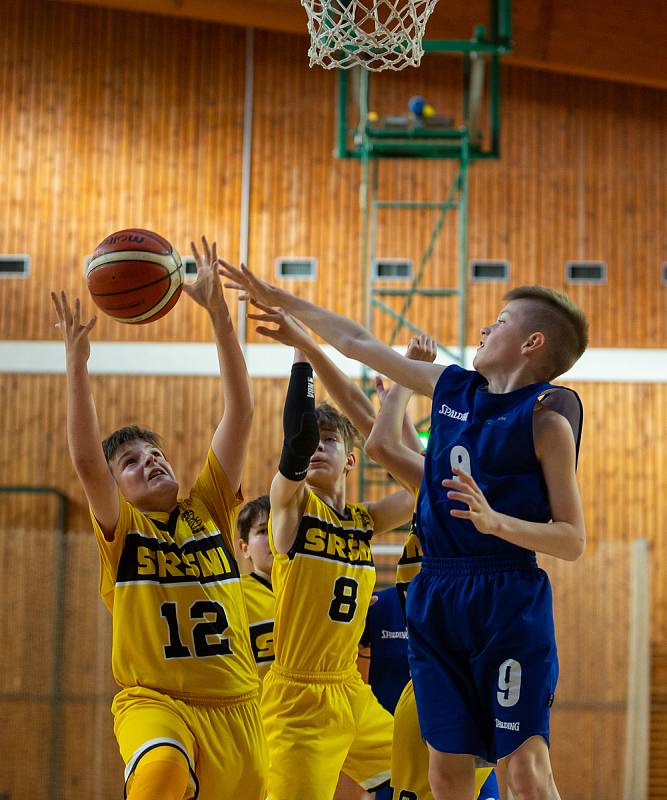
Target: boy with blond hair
480, 619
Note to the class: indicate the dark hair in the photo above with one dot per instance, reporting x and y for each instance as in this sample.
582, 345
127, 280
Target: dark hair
250, 513
330, 419
130, 433
562, 322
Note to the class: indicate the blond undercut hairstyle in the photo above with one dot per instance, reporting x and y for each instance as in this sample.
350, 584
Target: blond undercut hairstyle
330, 419
562, 322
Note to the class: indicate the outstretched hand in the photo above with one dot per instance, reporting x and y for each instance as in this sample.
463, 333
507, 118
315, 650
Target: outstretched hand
206, 288
462, 487
74, 331
422, 348
243, 280
287, 331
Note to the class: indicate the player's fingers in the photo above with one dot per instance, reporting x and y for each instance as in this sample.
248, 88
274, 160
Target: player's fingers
268, 332
263, 317
461, 513
228, 268
461, 497
465, 477
264, 307
249, 277
90, 324
206, 249
56, 304
214, 253
67, 313
195, 253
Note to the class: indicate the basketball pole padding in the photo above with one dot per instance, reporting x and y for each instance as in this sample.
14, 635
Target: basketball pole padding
635, 781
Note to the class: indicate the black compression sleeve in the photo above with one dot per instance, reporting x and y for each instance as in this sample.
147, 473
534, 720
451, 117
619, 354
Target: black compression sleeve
299, 423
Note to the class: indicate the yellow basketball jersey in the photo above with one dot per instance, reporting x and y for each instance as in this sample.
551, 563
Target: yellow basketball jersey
410, 561
173, 587
260, 603
323, 588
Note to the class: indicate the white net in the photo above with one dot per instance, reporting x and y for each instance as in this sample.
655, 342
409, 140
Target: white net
376, 34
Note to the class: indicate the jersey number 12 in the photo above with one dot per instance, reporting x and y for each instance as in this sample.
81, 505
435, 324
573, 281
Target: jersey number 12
200, 632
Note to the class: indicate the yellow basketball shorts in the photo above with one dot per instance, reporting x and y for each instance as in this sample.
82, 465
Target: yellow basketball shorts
409, 753
319, 724
223, 743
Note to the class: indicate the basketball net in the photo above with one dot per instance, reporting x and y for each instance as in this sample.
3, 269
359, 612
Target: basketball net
374, 34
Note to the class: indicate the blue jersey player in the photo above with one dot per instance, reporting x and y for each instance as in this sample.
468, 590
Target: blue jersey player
499, 484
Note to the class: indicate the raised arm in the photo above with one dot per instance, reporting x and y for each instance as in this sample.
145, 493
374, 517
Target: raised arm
83, 432
386, 444
345, 393
347, 336
300, 440
231, 437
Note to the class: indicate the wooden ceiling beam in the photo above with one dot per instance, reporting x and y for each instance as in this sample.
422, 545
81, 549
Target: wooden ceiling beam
621, 41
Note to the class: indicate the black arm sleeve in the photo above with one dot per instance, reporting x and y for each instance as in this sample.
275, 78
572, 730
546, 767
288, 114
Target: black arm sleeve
300, 427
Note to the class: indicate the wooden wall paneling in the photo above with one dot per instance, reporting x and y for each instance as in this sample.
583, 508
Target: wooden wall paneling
103, 137
99, 138
658, 755
22, 744
91, 762
591, 599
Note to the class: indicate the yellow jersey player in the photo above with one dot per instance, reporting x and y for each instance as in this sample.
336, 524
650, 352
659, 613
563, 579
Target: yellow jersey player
319, 715
252, 525
409, 756
186, 717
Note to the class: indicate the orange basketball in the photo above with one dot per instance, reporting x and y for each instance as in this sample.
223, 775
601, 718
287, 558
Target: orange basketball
135, 276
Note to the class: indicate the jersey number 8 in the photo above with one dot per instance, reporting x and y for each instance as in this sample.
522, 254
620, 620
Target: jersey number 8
344, 603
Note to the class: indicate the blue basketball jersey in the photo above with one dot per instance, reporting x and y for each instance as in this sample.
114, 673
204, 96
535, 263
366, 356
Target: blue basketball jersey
387, 636
489, 436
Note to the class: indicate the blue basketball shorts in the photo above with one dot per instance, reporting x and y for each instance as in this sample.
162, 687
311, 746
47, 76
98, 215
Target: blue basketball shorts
482, 653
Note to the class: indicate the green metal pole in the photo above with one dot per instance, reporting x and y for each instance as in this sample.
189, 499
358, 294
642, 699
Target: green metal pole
366, 197
463, 247
494, 92
341, 116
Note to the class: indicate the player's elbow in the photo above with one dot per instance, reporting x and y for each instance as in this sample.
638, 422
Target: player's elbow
352, 344
88, 468
375, 448
576, 544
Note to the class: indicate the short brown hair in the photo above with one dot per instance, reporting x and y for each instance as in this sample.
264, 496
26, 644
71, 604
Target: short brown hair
250, 513
562, 322
130, 433
330, 419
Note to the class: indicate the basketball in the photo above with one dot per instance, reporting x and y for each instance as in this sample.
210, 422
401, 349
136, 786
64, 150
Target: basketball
135, 276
